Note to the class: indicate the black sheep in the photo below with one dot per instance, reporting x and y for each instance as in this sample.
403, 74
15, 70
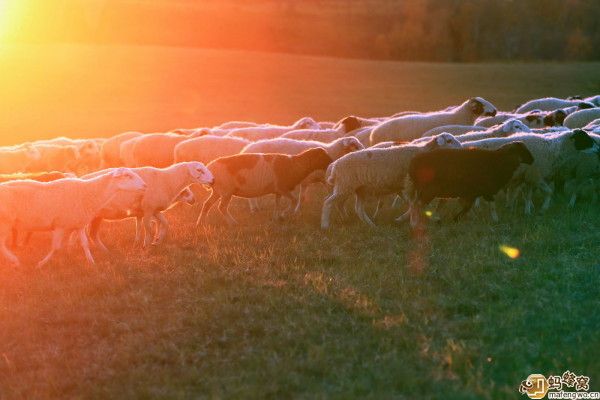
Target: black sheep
465, 173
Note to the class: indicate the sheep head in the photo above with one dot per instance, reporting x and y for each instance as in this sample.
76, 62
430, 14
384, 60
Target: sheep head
200, 173
479, 106
126, 179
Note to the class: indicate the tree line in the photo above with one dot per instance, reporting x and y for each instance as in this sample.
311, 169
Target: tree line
416, 30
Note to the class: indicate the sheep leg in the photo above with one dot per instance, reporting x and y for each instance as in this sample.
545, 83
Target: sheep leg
359, 208
547, 189
414, 209
57, 237
95, 234
377, 207
83, 239
292, 201
163, 227
276, 208
335, 198
7, 253
467, 204
206, 207
139, 227
253, 204
494, 211
224, 210
301, 198
396, 201
147, 219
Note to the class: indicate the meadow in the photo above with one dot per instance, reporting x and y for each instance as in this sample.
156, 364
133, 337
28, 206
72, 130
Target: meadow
273, 309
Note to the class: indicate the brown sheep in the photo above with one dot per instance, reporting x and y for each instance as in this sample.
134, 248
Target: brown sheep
252, 175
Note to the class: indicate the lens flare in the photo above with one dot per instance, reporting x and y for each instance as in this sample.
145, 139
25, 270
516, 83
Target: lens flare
511, 252
428, 213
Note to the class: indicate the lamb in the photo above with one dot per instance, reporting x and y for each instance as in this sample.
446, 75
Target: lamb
252, 175
18, 159
208, 148
410, 127
546, 104
111, 149
581, 118
154, 150
164, 187
372, 172
40, 206
335, 150
466, 173
549, 152
273, 131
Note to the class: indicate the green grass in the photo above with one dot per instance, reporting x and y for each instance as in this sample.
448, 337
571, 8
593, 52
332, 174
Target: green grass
283, 310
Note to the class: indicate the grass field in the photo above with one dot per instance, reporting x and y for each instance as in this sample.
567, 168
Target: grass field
283, 310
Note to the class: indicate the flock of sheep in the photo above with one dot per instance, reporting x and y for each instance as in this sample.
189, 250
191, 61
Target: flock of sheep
470, 152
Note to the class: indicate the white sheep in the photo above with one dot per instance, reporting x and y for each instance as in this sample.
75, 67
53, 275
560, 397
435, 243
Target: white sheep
55, 157
17, 159
532, 120
111, 149
335, 150
507, 128
272, 131
546, 104
208, 148
155, 150
581, 118
410, 127
60, 206
372, 172
164, 187
363, 135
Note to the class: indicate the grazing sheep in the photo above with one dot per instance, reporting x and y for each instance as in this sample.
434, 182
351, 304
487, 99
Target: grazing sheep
253, 175
372, 172
111, 149
152, 150
164, 187
581, 118
466, 173
208, 148
273, 131
410, 127
60, 206
546, 104
335, 150
18, 159
55, 158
